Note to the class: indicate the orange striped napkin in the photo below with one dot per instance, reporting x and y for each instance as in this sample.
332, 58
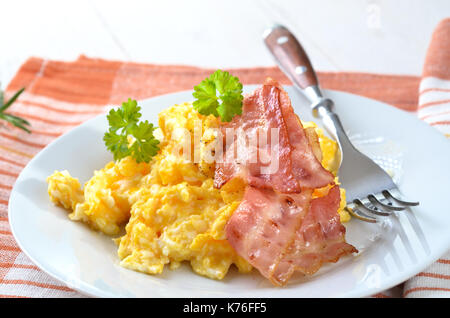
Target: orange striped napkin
61, 95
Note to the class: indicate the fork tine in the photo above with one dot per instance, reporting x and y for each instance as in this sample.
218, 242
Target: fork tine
388, 195
374, 200
361, 216
370, 210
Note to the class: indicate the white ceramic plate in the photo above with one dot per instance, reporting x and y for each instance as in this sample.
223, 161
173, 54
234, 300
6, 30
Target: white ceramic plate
390, 252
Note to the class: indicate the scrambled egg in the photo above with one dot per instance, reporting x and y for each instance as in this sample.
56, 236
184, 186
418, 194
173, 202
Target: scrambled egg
170, 208
103, 203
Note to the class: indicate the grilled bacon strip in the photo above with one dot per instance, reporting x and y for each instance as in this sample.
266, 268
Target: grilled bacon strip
280, 234
279, 227
264, 225
266, 108
319, 239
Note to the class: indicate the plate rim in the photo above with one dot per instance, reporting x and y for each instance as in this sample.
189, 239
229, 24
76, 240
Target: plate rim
89, 290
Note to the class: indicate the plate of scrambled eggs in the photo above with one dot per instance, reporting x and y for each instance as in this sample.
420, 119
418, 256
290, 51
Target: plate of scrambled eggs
128, 229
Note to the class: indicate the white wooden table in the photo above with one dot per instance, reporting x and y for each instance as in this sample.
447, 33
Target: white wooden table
353, 35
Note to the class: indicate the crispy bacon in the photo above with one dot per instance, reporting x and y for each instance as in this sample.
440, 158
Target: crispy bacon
278, 227
319, 239
280, 234
306, 168
264, 225
314, 142
266, 108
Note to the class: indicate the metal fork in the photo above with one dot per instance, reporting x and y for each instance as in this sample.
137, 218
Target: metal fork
370, 191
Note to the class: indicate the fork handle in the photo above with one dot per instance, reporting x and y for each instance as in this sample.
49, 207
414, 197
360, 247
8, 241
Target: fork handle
294, 62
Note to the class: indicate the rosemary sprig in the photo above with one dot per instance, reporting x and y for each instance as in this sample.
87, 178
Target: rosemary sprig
14, 120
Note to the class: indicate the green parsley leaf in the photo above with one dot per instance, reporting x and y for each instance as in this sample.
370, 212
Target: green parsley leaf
227, 104
145, 145
124, 122
128, 114
117, 144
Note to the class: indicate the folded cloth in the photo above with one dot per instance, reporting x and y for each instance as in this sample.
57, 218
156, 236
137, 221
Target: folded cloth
61, 95
434, 108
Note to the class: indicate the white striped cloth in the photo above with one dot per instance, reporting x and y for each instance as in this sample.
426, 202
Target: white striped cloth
434, 108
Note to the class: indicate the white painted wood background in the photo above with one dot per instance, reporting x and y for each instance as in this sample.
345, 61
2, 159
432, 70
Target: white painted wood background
382, 36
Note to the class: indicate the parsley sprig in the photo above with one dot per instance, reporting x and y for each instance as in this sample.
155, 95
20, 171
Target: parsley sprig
124, 122
227, 104
14, 120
